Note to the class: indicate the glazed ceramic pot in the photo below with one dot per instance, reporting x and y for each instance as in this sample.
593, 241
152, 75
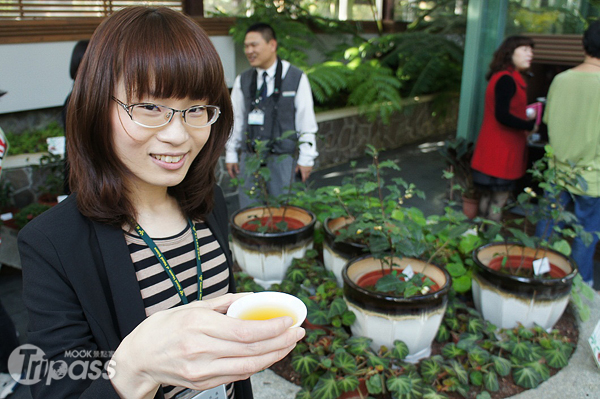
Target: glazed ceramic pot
267, 256
386, 318
336, 254
506, 300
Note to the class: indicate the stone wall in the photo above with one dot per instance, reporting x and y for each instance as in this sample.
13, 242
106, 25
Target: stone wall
343, 136
346, 138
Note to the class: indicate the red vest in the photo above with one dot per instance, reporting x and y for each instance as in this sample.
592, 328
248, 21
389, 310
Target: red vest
501, 151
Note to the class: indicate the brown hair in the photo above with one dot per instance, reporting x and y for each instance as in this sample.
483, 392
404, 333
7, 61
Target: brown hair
157, 52
502, 58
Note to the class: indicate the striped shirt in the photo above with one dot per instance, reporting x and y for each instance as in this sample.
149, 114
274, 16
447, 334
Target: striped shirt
158, 292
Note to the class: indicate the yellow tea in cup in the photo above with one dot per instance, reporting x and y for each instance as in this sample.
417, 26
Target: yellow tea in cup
266, 312
268, 305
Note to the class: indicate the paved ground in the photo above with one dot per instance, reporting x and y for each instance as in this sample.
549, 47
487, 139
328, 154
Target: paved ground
421, 165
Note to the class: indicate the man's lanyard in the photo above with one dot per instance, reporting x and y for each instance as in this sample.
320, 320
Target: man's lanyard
163, 261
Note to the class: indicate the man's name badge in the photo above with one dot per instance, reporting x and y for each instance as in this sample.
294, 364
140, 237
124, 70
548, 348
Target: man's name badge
256, 117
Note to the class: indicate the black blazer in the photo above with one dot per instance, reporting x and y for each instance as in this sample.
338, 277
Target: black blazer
81, 292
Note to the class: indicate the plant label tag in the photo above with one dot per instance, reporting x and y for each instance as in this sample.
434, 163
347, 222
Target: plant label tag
56, 145
408, 272
256, 117
541, 266
6, 216
594, 341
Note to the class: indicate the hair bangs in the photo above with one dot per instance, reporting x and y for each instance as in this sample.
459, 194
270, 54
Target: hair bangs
522, 41
170, 59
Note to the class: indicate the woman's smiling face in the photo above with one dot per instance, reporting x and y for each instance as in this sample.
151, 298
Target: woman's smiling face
156, 157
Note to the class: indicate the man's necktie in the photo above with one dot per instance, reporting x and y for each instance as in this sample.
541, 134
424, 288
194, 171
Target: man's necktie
263, 88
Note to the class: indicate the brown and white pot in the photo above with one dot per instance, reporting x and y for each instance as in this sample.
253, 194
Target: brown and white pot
267, 256
506, 300
386, 318
336, 254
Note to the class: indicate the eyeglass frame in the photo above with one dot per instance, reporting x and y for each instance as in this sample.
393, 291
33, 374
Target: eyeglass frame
128, 108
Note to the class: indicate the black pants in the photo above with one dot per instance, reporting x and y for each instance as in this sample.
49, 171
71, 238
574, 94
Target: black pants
8, 339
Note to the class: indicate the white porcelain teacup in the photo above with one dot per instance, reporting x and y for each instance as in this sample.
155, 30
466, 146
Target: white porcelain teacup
268, 305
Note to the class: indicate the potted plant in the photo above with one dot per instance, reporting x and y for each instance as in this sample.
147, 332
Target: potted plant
266, 238
526, 279
473, 359
458, 153
402, 286
53, 167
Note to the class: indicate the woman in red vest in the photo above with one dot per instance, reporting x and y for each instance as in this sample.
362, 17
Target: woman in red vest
500, 154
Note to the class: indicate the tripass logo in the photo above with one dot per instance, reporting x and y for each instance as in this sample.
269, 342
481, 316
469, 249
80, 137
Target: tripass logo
28, 365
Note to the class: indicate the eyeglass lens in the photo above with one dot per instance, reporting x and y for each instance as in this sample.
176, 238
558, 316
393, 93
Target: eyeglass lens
158, 115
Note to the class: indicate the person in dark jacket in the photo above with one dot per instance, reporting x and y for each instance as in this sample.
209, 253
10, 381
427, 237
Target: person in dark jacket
126, 281
500, 156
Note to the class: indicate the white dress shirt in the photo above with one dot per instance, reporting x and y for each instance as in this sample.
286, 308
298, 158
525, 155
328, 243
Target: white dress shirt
306, 123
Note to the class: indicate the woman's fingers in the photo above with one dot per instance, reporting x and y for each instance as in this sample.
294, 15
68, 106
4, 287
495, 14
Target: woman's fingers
197, 344
231, 369
220, 347
219, 304
220, 326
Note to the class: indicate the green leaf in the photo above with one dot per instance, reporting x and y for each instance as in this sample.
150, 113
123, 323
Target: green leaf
404, 385
377, 361
400, 350
451, 351
348, 318
456, 369
443, 334
311, 380
337, 307
317, 316
305, 364
375, 384
455, 269
282, 226
348, 383
303, 394
476, 378
468, 243
541, 369
490, 381
430, 369
462, 284
475, 325
468, 341
525, 333
452, 323
556, 358
483, 395
296, 275
358, 346
326, 387
431, 393
344, 361
526, 377
562, 246
502, 365
479, 356
522, 350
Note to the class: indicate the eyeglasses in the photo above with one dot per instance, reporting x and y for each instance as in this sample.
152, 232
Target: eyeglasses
153, 115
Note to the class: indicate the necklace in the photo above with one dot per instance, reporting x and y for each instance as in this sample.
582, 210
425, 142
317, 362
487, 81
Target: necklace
591, 63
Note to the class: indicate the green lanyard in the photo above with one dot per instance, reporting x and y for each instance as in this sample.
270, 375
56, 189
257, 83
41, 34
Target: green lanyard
163, 261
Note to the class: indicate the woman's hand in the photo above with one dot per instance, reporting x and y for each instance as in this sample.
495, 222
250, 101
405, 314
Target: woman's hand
198, 347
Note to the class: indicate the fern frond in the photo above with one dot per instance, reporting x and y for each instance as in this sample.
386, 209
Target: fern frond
327, 79
376, 91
